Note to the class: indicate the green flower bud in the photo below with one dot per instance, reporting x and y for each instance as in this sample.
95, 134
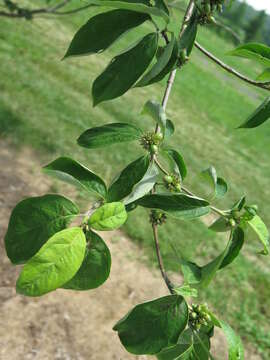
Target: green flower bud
232, 222
168, 179
183, 56
154, 149
194, 315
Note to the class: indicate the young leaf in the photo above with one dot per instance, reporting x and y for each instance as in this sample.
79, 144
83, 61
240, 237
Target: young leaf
180, 206
179, 162
109, 26
235, 247
264, 76
187, 40
186, 290
220, 225
128, 178
71, 171
216, 184
169, 129
203, 275
261, 114
109, 134
261, 230
159, 66
55, 263
154, 325
144, 186
33, 221
160, 9
157, 113
108, 217
254, 51
95, 268
177, 352
122, 73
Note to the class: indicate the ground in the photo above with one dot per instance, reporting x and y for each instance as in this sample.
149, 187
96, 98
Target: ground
66, 325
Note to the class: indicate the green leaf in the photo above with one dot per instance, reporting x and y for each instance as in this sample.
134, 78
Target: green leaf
180, 206
261, 114
156, 112
176, 352
216, 184
191, 346
170, 65
179, 161
188, 37
109, 26
254, 51
239, 204
142, 6
202, 275
128, 178
234, 248
151, 326
220, 225
221, 188
169, 129
144, 186
122, 73
108, 217
264, 76
186, 290
109, 134
55, 263
73, 172
159, 66
33, 221
261, 230
236, 350
96, 266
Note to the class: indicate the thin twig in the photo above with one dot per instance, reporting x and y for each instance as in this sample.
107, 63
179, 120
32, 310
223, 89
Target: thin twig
23, 13
164, 105
262, 85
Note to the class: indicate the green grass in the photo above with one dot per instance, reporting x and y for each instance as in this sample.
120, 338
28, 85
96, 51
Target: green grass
46, 103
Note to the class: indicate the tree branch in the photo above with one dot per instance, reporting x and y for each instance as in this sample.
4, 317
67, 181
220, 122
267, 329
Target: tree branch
164, 105
262, 85
29, 14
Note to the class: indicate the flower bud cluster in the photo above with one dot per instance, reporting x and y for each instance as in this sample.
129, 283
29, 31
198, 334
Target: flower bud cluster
157, 217
207, 9
172, 182
199, 315
151, 141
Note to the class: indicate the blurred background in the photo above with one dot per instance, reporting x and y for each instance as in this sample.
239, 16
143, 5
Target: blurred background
45, 104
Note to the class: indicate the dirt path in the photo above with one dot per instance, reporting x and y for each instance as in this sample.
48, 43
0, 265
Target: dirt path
66, 325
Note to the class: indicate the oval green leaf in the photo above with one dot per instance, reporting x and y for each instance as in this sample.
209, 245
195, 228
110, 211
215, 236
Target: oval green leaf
33, 221
261, 114
128, 178
122, 73
160, 9
55, 263
73, 172
96, 266
261, 230
254, 51
154, 325
109, 134
109, 26
108, 217
159, 66
180, 206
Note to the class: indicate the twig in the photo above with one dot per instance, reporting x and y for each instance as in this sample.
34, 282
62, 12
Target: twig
27, 13
164, 105
262, 85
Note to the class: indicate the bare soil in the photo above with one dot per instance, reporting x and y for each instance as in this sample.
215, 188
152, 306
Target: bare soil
66, 325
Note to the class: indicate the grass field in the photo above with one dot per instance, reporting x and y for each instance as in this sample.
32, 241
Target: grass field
46, 104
